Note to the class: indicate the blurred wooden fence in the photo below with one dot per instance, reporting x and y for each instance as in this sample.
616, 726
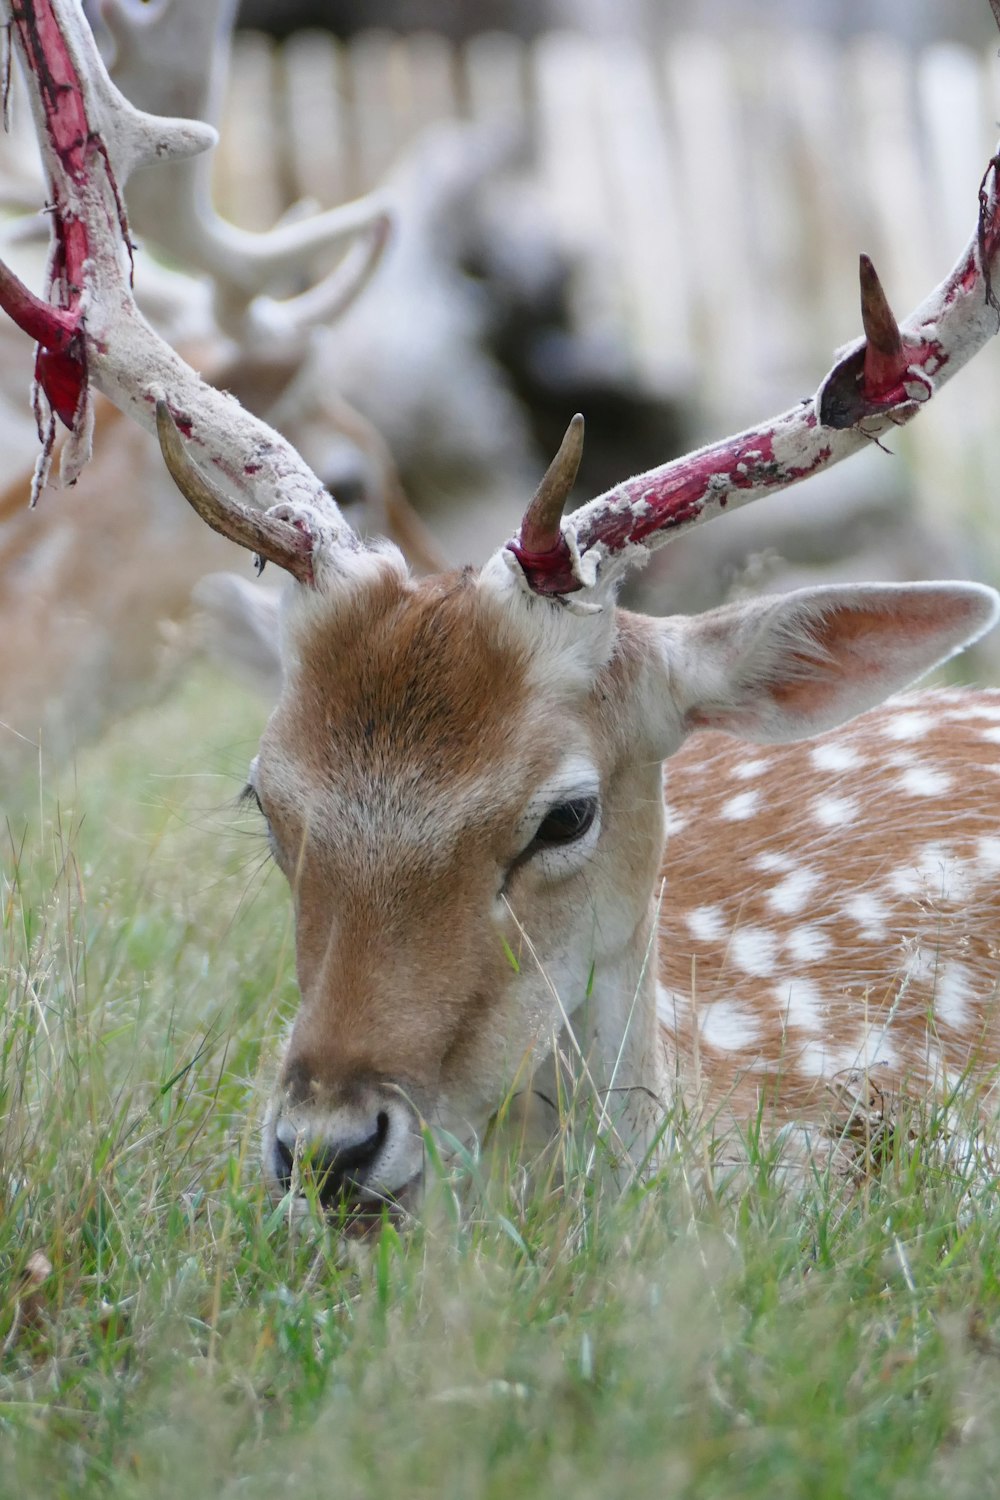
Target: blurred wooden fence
718, 192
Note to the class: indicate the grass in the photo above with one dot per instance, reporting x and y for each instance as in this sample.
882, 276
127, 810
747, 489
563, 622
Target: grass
179, 1338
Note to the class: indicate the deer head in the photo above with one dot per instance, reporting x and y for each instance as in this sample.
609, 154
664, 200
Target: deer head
461, 779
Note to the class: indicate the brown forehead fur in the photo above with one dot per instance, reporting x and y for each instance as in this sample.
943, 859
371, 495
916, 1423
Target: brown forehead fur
407, 670
429, 674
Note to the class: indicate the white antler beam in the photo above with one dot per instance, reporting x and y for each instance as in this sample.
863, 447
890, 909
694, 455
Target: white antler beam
89, 330
880, 382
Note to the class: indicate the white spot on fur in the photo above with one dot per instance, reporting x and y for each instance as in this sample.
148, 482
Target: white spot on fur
746, 770
792, 893
671, 1007
869, 912
705, 923
801, 1005
992, 735
921, 963
754, 950
946, 876
673, 821
924, 781
870, 1048
905, 882
806, 945
773, 860
726, 1025
983, 706
988, 852
740, 807
819, 1060
953, 993
834, 812
835, 756
908, 726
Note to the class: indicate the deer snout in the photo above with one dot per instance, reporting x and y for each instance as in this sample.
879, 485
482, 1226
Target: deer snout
364, 1152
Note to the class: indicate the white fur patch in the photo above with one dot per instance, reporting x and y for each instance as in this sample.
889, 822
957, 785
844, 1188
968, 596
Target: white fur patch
801, 1005
807, 945
754, 951
924, 781
988, 852
706, 923
743, 805
835, 756
673, 821
921, 963
773, 860
869, 912
746, 770
792, 893
907, 726
834, 812
953, 994
946, 876
726, 1025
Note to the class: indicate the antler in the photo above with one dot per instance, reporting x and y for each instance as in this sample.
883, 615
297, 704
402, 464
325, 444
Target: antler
540, 527
172, 59
882, 381
92, 138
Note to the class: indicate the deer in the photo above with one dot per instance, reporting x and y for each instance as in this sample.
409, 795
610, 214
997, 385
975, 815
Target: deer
712, 860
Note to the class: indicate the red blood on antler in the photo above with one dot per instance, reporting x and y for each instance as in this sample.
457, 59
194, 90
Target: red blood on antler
882, 382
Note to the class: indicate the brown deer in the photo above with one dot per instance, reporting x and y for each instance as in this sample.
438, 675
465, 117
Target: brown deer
462, 779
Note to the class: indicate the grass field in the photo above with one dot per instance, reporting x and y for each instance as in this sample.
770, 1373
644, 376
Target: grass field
165, 1332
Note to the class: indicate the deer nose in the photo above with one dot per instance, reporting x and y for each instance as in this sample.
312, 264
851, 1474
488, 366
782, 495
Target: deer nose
343, 1157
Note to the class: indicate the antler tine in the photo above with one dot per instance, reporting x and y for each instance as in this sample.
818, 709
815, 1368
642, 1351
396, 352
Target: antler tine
540, 529
269, 537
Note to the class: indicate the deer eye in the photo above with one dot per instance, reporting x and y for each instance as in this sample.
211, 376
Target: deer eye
249, 798
564, 823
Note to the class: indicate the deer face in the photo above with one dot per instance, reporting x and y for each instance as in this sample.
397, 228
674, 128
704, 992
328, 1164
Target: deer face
441, 791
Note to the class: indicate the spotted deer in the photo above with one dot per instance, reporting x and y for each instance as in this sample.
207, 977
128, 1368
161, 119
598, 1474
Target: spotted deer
521, 824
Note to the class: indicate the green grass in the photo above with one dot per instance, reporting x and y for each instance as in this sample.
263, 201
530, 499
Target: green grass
189, 1342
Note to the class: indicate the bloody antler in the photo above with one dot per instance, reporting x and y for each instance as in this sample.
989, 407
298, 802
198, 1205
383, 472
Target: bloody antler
882, 381
92, 138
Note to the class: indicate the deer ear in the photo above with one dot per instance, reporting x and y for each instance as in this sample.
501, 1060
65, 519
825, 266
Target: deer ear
785, 668
240, 629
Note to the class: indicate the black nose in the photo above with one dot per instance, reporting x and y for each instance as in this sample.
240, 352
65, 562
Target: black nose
337, 1166
341, 1165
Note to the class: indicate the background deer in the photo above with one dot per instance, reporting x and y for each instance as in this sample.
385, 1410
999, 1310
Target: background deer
462, 777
